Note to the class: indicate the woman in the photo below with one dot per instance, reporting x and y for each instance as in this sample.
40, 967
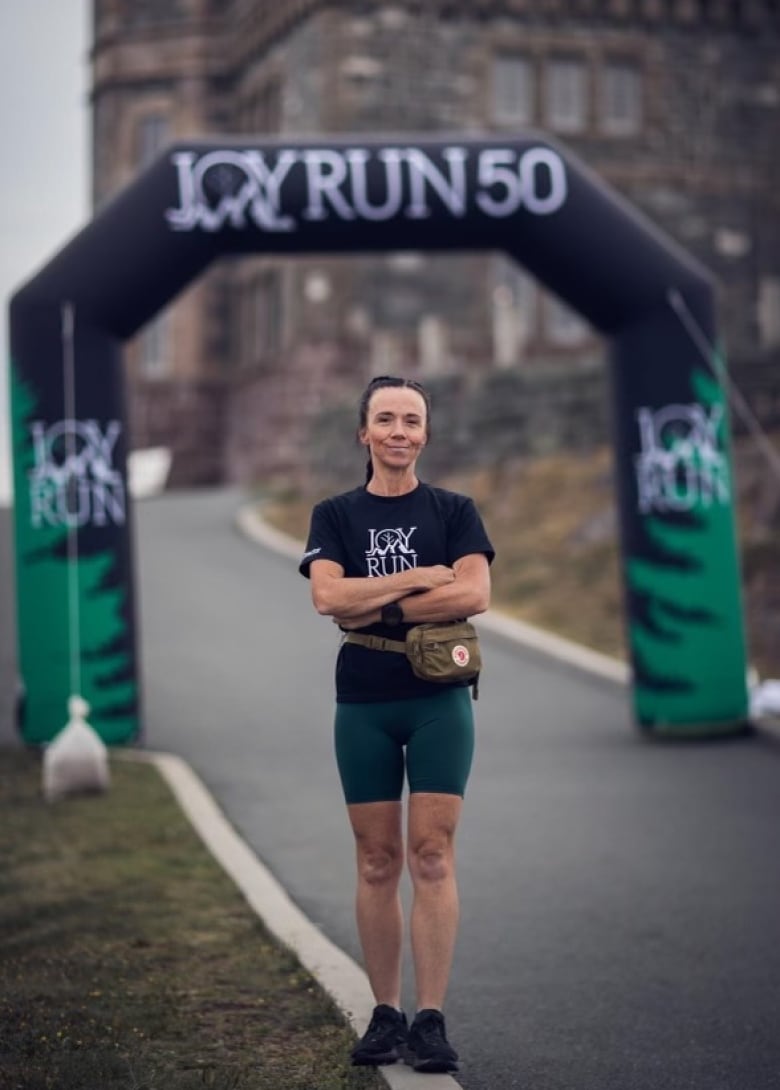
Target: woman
381, 558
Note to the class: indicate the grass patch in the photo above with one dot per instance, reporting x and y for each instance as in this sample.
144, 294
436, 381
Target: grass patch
129, 961
553, 523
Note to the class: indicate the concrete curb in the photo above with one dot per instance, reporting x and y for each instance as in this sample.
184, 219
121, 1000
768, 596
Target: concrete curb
335, 971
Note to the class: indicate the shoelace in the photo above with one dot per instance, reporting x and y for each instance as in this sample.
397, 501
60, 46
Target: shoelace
379, 1026
431, 1031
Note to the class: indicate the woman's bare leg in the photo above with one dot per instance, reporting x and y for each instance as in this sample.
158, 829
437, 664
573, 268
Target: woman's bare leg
433, 819
379, 844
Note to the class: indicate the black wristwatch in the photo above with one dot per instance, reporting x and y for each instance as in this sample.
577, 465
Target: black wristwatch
392, 614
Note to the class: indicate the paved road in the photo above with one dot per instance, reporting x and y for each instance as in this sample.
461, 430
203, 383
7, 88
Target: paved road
620, 898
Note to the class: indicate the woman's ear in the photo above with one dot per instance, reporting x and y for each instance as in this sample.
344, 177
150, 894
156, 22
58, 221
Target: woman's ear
363, 436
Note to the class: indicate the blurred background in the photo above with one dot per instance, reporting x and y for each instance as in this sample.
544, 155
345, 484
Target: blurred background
44, 170
251, 376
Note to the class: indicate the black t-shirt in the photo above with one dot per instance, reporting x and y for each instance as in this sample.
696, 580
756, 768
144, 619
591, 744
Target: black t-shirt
372, 535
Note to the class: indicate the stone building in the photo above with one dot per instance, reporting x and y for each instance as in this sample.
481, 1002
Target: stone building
675, 102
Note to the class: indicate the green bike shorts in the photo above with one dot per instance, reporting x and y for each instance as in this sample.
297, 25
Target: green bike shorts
430, 738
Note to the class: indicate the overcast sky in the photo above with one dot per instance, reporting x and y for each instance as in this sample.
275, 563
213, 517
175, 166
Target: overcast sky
44, 176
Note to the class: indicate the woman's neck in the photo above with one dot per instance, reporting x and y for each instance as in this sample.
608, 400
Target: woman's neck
387, 483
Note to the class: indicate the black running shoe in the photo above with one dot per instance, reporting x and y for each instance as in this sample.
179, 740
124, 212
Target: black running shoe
427, 1044
379, 1044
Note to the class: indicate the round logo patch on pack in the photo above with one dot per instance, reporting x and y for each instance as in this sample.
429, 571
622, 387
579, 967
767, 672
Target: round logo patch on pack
460, 655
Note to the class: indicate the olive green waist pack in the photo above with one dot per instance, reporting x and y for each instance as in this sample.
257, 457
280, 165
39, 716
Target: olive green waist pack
436, 652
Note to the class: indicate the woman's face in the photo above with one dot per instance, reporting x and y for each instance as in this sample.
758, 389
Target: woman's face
396, 427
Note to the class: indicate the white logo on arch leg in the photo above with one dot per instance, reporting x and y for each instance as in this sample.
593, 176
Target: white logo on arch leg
74, 481
682, 462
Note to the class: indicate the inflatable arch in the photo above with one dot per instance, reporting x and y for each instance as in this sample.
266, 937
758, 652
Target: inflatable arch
527, 197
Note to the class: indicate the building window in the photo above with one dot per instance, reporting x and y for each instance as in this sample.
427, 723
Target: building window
262, 112
155, 360
566, 94
769, 312
103, 142
152, 136
564, 328
147, 12
621, 98
432, 348
269, 108
262, 317
386, 353
514, 306
514, 92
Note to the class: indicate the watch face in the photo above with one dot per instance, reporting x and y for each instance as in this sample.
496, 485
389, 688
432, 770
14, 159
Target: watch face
392, 613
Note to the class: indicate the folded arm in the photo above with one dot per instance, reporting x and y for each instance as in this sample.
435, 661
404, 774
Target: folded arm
335, 595
465, 596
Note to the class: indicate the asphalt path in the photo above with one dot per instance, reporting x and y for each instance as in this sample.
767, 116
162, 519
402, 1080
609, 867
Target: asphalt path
620, 923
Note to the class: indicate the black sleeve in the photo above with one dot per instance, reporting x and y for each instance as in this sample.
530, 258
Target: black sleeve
324, 541
466, 533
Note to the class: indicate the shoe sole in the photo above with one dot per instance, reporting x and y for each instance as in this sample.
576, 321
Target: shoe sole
432, 1067
375, 1061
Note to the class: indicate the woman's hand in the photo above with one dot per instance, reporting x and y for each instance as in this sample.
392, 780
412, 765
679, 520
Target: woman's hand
465, 595
435, 576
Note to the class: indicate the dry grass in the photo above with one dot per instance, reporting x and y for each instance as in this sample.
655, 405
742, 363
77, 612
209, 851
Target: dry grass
552, 521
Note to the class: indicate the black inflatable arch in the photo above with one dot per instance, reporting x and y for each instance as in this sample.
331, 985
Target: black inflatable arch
527, 197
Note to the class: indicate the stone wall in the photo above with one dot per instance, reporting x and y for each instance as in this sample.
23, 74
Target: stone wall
270, 412
189, 418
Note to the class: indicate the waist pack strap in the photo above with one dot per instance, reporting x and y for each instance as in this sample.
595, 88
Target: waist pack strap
376, 643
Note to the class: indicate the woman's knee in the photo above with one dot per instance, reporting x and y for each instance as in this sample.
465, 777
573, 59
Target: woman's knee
379, 864
433, 819
431, 859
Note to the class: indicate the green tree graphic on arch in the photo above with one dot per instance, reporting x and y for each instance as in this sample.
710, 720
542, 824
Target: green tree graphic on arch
45, 619
684, 667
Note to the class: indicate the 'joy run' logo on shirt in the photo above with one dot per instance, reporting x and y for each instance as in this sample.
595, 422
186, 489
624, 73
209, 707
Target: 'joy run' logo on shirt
389, 551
